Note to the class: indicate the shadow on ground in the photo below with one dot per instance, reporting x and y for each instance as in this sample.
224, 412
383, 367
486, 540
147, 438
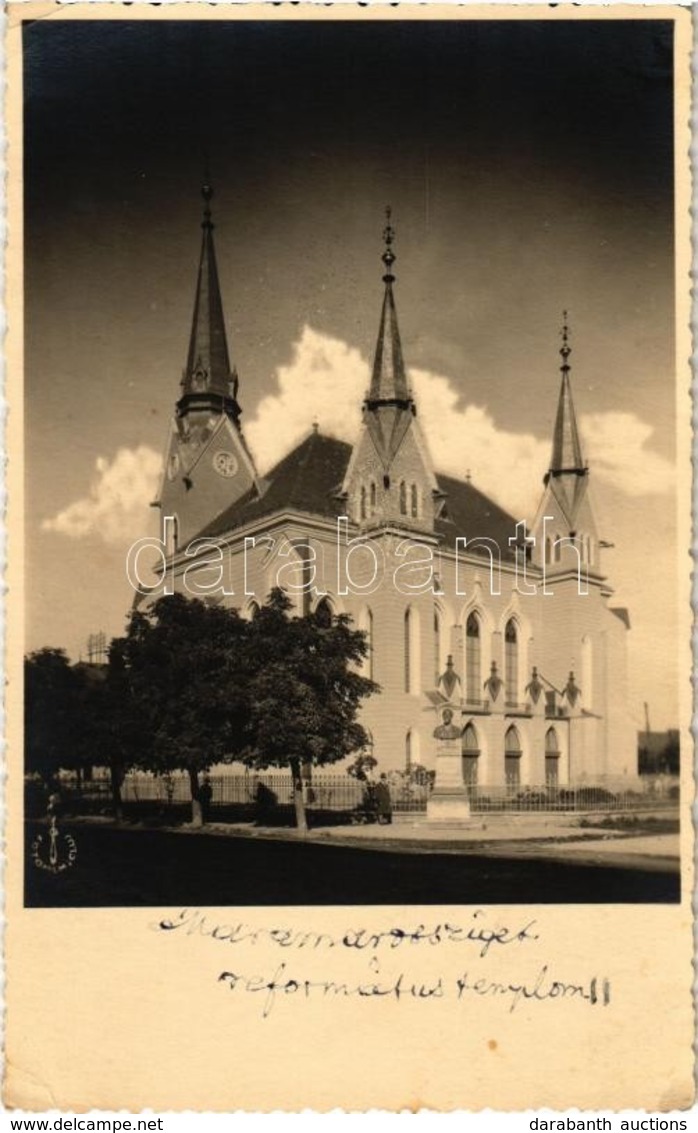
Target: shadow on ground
122, 867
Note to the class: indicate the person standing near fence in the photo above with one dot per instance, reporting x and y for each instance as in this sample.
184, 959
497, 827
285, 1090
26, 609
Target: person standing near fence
384, 803
205, 796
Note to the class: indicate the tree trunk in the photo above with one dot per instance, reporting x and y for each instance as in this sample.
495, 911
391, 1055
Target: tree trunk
299, 805
197, 818
116, 774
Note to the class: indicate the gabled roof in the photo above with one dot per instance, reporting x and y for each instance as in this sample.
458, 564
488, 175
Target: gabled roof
309, 479
472, 515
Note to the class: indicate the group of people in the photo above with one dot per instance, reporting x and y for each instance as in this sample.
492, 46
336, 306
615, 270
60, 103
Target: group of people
377, 804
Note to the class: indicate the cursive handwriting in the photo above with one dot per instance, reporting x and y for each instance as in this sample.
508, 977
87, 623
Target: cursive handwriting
542, 988
402, 987
480, 932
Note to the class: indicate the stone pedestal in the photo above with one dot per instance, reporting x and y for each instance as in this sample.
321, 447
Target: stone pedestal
449, 800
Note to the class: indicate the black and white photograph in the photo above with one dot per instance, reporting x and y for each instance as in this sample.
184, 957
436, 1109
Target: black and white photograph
349, 555
350, 462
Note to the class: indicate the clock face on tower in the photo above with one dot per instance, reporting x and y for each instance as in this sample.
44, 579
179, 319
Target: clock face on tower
225, 463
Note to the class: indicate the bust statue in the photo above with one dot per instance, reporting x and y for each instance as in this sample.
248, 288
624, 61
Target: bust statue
447, 730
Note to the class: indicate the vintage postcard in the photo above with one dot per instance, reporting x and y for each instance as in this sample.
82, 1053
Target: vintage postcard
349, 757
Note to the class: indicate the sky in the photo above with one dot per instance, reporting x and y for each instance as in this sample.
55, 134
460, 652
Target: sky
529, 169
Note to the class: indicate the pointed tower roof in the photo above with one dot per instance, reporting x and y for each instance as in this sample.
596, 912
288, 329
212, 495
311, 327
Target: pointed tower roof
567, 448
389, 407
568, 470
208, 364
388, 380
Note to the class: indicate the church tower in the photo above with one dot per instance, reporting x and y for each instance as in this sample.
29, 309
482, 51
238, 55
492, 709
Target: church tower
207, 464
565, 528
390, 477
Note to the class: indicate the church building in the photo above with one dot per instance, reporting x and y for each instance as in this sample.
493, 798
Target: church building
465, 610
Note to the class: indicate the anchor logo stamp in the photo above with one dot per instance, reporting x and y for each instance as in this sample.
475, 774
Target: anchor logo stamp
56, 851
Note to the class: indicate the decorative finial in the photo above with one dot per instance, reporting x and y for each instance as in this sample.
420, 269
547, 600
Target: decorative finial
565, 349
388, 256
449, 679
316, 425
494, 682
534, 687
207, 193
467, 475
571, 690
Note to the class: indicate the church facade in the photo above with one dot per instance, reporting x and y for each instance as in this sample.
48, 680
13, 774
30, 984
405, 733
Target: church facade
465, 611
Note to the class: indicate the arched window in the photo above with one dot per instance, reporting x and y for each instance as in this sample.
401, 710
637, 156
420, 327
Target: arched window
557, 548
171, 525
437, 644
548, 550
512, 760
362, 510
403, 498
323, 613
414, 502
412, 749
252, 610
411, 649
552, 759
470, 748
473, 671
511, 664
373, 497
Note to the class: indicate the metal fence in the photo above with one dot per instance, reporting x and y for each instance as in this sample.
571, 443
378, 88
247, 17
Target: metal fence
575, 800
323, 792
239, 793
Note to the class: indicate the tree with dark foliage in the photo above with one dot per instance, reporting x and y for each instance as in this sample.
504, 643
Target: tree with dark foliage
305, 691
184, 662
192, 684
51, 688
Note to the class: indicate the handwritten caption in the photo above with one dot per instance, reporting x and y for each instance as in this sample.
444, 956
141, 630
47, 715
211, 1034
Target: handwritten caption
480, 938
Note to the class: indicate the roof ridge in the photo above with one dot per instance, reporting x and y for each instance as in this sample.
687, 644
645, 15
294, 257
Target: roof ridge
476, 491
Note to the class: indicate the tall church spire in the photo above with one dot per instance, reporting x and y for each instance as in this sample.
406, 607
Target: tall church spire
388, 381
568, 472
389, 408
390, 478
207, 463
567, 448
207, 370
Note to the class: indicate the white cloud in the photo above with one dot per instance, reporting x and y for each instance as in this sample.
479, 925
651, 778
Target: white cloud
116, 506
616, 447
326, 379
506, 466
